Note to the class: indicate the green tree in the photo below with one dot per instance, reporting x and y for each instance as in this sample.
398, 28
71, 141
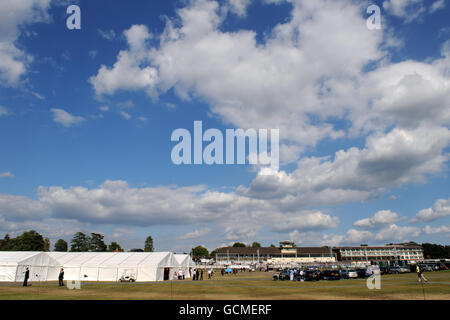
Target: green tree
239, 245
96, 243
256, 245
47, 244
435, 251
61, 245
79, 243
272, 246
5, 243
28, 241
136, 250
149, 244
114, 246
200, 251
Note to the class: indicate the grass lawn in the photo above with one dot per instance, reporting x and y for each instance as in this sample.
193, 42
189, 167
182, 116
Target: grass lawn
258, 285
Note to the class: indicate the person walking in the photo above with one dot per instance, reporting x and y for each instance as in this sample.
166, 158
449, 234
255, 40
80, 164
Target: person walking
61, 278
420, 276
27, 276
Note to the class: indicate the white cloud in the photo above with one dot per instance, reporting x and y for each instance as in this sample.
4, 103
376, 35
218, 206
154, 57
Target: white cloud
387, 161
440, 209
434, 230
407, 9
6, 175
239, 7
381, 218
437, 5
397, 233
65, 118
125, 115
126, 74
4, 111
19, 208
13, 15
107, 34
195, 234
303, 221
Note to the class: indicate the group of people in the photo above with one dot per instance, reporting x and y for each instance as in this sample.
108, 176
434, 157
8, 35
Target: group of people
27, 276
179, 274
197, 274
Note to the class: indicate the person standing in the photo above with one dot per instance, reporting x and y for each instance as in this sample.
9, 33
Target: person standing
27, 276
201, 274
420, 274
222, 272
194, 274
61, 277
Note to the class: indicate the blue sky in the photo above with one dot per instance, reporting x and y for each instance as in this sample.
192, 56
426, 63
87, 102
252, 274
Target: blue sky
87, 116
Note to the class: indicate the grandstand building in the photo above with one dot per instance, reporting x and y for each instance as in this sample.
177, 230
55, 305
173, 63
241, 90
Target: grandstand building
287, 252
390, 254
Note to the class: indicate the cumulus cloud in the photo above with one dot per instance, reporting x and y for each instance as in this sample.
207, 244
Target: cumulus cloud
195, 234
435, 230
66, 119
387, 234
303, 221
13, 15
126, 74
20, 208
440, 209
303, 74
382, 217
406, 9
397, 233
390, 160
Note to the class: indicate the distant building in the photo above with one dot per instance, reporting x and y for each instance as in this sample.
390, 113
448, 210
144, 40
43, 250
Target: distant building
392, 253
287, 252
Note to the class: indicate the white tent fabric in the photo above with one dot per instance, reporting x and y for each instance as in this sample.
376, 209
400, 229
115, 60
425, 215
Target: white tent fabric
185, 263
111, 266
14, 263
87, 266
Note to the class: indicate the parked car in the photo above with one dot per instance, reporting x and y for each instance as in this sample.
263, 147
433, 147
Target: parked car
349, 273
283, 275
312, 275
330, 275
397, 270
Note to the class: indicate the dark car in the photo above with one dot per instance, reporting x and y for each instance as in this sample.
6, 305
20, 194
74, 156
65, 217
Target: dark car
362, 273
330, 275
312, 275
283, 275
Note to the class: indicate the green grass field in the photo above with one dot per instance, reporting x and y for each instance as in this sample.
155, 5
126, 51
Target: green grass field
257, 285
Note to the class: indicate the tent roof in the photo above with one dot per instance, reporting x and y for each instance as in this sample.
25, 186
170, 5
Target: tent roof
112, 259
36, 258
184, 260
13, 258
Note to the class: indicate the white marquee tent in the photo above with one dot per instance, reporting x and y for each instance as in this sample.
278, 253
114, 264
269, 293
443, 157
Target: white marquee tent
185, 263
88, 266
14, 263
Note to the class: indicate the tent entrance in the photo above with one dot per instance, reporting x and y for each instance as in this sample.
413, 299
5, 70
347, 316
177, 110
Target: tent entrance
166, 273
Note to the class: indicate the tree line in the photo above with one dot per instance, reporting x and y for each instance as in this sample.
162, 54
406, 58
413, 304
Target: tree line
202, 252
34, 241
